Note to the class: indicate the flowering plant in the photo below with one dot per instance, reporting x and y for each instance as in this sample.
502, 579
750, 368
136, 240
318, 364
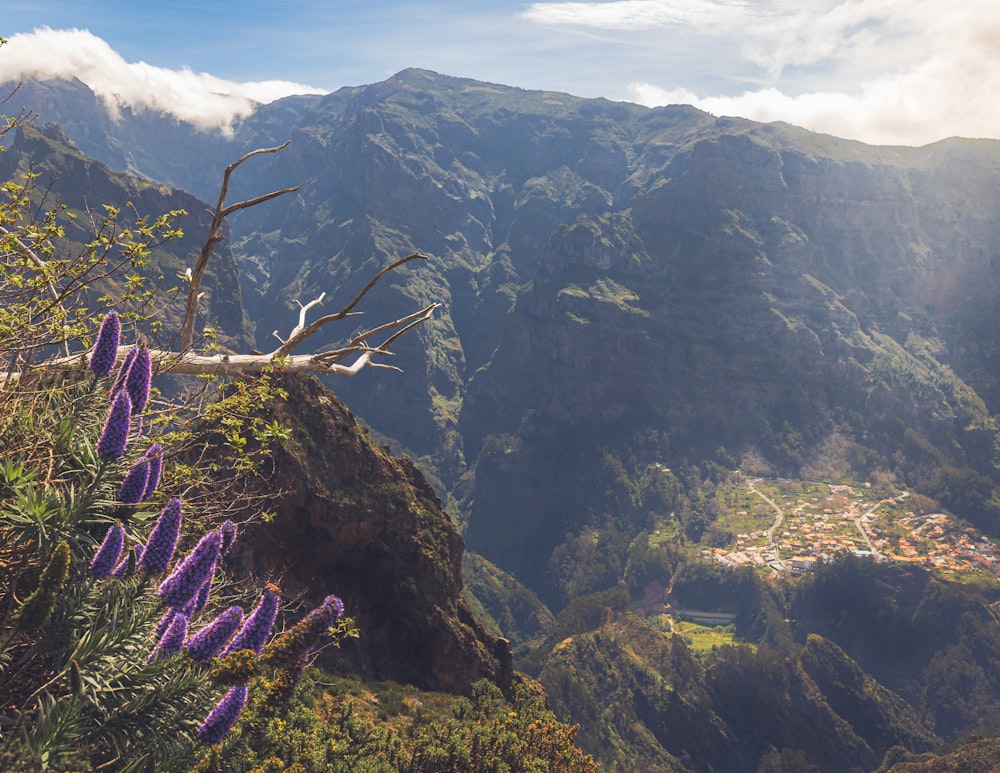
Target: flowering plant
118, 600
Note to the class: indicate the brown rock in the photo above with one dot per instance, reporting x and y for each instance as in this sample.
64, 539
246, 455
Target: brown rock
355, 521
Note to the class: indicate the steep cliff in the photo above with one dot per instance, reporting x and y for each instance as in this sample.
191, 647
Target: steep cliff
351, 519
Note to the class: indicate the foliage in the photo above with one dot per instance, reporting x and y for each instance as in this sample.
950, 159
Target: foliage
111, 661
489, 734
485, 732
86, 679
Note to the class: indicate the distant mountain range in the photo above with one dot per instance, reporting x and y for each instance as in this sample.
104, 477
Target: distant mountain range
634, 302
621, 286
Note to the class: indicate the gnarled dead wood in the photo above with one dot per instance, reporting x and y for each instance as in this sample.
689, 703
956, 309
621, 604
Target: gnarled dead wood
283, 358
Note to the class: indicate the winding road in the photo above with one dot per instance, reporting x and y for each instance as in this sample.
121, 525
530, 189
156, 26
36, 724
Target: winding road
779, 516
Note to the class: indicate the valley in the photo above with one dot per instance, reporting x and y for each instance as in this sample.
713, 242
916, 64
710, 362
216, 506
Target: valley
782, 525
634, 304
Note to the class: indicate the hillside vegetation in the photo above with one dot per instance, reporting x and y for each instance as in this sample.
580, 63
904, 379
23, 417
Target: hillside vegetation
644, 311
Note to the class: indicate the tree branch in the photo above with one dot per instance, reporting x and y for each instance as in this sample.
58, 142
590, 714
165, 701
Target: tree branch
301, 333
215, 236
186, 361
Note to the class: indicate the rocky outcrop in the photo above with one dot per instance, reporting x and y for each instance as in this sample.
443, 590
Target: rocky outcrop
351, 519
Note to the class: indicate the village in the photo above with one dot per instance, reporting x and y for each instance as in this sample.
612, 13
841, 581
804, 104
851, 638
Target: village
788, 526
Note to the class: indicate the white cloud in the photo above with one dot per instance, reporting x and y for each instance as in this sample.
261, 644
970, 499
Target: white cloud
940, 98
198, 98
642, 14
883, 71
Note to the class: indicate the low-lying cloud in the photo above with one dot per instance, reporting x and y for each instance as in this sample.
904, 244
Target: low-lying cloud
946, 96
198, 98
882, 71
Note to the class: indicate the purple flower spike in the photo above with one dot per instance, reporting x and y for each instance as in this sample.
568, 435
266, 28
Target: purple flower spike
123, 564
136, 480
105, 351
172, 641
106, 557
138, 379
221, 719
327, 613
228, 532
114, 436
164, 623
154, 456
205, 644
299, 640
200, 599
123, 370
189, 575
258, 626
163, 539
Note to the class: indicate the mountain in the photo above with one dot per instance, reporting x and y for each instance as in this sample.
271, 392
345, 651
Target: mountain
646, 702
640, 267
65, 176
635, 303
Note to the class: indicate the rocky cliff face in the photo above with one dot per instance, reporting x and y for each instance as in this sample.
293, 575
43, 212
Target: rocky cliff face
353, 520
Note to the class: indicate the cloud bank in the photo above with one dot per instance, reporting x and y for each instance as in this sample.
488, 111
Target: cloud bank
882, 71
198, 98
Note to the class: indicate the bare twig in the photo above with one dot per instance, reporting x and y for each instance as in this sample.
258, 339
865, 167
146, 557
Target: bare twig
301, 333
187, 361
215, 236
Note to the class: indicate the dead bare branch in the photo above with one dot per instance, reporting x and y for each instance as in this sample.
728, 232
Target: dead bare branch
215, 236
301, 333
186, 361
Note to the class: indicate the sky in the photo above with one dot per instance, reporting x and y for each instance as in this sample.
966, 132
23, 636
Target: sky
906, 72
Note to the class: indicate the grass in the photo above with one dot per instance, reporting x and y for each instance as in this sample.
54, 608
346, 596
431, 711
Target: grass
701, 638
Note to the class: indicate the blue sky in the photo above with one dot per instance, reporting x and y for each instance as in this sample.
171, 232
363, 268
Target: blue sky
885, 71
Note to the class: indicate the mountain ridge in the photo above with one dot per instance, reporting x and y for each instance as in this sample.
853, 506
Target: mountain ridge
636, 303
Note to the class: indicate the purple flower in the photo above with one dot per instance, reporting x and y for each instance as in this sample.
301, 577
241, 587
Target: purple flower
205, 644
122, 569
221, 719
326, 614
154, 456
107, 554
105, 351
114, 436
138, 379
164, 622
228, 533
298, 641
172, 641
123, 370
163, 539
258, 625
200, 599
136, 480
189, 575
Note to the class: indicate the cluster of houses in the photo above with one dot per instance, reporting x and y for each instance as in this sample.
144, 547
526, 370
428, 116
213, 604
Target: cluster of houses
818, 528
